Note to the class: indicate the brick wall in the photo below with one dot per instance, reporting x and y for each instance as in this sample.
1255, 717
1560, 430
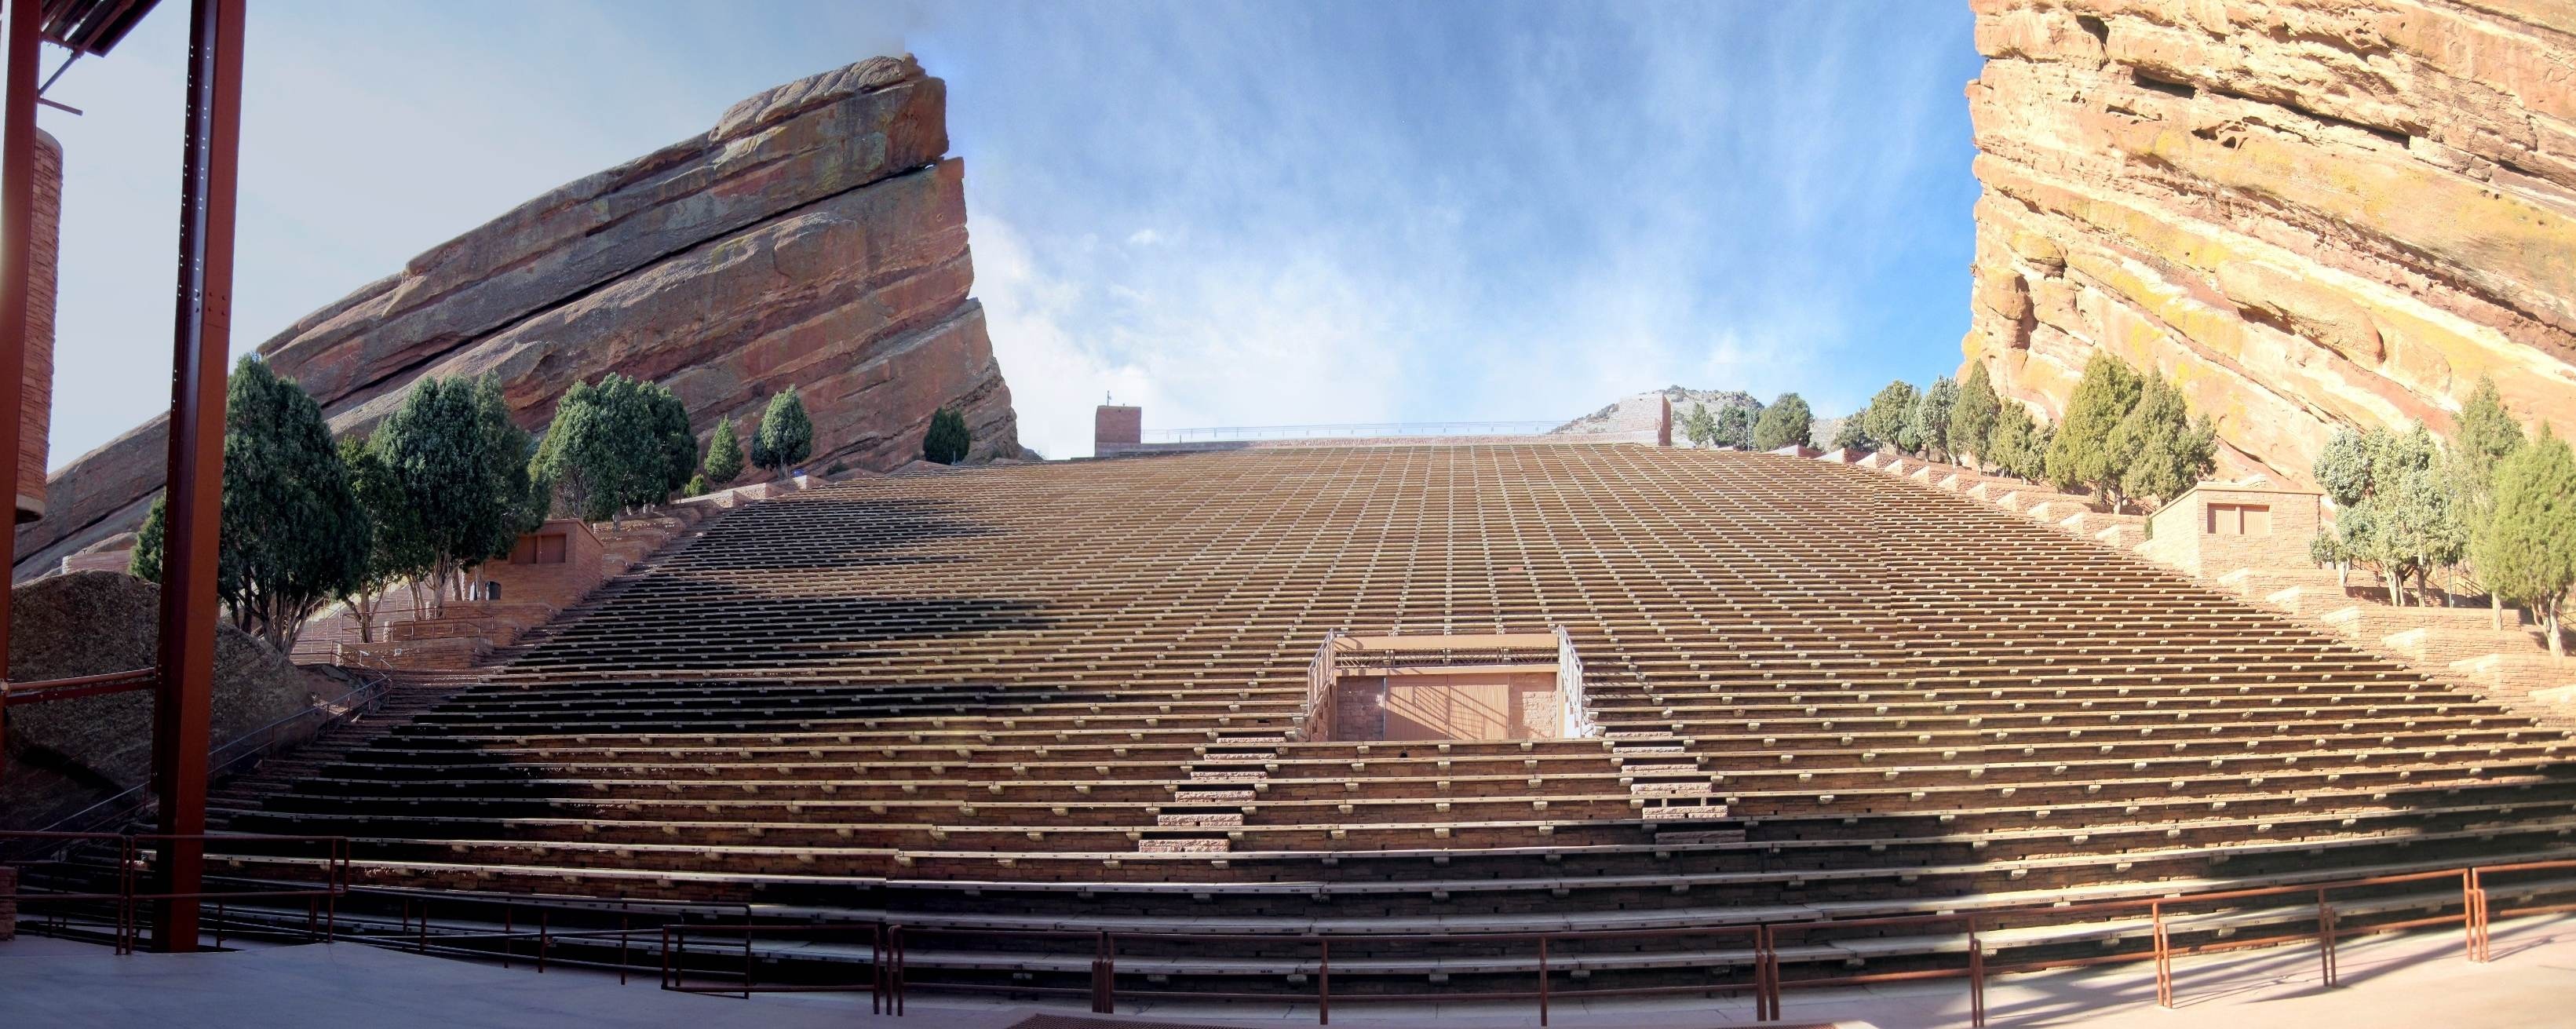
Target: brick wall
1115, 426
558, 585
2179, 535
35, 417
8, 903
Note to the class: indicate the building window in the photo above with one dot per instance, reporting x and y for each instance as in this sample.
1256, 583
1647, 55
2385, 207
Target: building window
539, 550
2240, 520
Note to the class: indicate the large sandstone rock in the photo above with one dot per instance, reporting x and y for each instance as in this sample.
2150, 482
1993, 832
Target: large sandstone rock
814, 237
2307, 212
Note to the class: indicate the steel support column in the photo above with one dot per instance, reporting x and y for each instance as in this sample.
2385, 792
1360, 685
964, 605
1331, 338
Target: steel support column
183, 705
17, 248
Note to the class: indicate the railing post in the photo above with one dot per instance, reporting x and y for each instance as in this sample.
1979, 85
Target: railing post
2164, 958
1542, 981
2325, 939
506, 929
1976, 976
543, 919
1324, 981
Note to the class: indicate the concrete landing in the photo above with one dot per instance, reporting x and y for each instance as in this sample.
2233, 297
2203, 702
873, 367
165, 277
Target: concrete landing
2401, 982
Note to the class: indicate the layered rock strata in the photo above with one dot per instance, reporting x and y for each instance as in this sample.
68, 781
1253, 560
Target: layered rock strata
2308, 213
815, 237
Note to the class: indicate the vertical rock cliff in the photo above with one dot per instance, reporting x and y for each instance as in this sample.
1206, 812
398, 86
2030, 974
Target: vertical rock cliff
815, 237
2307, 212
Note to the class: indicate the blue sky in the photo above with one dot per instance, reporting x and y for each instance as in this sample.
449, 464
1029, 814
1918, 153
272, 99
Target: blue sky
1231, 213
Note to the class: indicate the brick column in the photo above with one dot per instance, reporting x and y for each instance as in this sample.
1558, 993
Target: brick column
8, 902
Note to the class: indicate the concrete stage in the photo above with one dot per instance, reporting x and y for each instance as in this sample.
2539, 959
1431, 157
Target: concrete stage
2405, 982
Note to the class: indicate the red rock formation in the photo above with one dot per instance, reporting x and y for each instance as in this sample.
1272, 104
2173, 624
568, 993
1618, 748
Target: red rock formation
814, 237
2307, 212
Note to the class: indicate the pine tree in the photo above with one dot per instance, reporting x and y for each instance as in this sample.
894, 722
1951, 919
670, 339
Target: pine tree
463, 468
1851, 435
2527, 549
2008, 440
1889, 413
786, 435
1972, 420
615, 445
1786, 423
947, 440
2488, 434
399, 549
293, 537
2080, 456
1735, 423
2159, 448
1698, 427
1929, 423
724, 454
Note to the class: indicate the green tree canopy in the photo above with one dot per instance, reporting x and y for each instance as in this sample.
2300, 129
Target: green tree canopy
463, 468
786, 435
2488, 434
1787, 422
293, 537
1888, 415
2526, 551
1929, 425
947, 440
1972, 420
2397, 515
1735, 424
1698, 427
2080, 457
617, 444
1852, 435
2160, 449
399, 549
724, 454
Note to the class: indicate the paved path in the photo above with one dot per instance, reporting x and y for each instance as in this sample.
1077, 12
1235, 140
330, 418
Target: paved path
2418, 981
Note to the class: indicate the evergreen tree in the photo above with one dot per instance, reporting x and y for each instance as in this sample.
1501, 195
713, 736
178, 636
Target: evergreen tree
463, 468
947, 440
697, 486
1735, 424
1785, 423
1851, 435
2008, 440
2527, 549
618, 444
786, 435
2080, 456
1889, 413
399, 546
1929, 424
2488, 434
1972, 421
2159, 448
1698, 428
724, 454
292, 535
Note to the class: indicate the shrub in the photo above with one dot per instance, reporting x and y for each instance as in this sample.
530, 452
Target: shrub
947, 440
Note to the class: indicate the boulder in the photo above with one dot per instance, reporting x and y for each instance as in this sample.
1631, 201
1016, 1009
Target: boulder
814, 237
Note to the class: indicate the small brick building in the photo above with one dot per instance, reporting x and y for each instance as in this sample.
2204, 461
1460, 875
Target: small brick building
556, 565
2218, 527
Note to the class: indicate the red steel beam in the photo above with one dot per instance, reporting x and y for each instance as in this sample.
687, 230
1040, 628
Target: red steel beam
203, 340
17, 215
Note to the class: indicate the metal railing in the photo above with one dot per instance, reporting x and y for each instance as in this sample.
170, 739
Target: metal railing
1569, 685
133, 871
1348, 430
233, 756
1320, 675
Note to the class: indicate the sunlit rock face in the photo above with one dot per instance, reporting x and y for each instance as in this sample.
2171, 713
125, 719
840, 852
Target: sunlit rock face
2307, 212
815, 237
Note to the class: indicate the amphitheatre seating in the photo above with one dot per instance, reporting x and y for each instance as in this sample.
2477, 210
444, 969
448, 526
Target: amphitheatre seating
1062, 695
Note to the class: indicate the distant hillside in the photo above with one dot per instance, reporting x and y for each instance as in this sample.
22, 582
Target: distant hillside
1638, 413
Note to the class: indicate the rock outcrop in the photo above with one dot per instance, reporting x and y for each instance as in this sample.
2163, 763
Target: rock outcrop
815, 237
2306, 212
